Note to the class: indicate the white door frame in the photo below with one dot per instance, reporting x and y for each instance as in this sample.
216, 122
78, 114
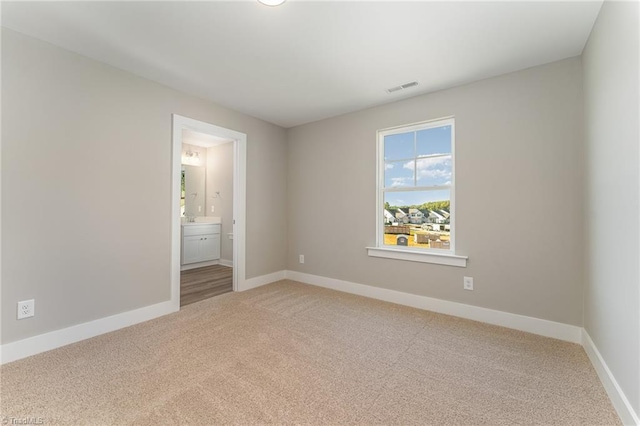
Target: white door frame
181, 123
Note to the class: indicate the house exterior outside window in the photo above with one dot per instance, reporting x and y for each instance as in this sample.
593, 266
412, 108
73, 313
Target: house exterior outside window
416, 193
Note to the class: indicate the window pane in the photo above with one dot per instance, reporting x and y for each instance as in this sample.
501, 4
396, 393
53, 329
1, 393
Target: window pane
433, 171
399, 146
436, 140
417, 219
398, 173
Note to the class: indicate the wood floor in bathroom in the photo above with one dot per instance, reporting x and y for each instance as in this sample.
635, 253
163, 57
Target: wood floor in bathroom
202, 283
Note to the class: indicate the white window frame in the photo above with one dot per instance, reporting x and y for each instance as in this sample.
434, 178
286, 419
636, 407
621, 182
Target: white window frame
427, 255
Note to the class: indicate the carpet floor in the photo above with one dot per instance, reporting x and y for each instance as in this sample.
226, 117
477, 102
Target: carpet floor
289, 353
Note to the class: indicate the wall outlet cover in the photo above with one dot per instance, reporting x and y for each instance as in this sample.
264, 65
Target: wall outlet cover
26, 308
468, 283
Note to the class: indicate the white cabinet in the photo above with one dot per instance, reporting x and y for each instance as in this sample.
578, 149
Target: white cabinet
200, 243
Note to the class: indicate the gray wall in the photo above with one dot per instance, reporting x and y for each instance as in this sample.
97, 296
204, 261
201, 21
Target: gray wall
518, 194
612, 291
220, 178
86, 187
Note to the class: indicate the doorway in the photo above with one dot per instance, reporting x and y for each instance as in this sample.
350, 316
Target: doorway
215, 135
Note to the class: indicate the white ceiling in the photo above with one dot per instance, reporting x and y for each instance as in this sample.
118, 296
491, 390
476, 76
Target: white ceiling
305, 61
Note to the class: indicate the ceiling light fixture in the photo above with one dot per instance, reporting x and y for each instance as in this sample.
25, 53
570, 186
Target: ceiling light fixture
191, 157
271, 2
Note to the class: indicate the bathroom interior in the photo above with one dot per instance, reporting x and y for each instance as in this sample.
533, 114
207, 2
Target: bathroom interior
206, 204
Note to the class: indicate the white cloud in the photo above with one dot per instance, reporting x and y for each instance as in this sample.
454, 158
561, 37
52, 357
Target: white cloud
431, 168
424, 163
388, 166
401, 181
434, 174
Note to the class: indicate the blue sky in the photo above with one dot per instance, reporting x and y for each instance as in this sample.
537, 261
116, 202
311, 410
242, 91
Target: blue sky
428, 171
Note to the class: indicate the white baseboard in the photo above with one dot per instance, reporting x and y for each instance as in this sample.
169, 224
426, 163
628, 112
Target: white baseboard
570, 333
262, 280
225, 262
616, 395
55, 339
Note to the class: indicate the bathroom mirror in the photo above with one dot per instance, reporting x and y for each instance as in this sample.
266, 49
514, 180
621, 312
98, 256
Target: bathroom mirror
193, 191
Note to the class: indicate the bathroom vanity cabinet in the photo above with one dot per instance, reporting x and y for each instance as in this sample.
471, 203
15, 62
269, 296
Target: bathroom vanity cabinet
200, 242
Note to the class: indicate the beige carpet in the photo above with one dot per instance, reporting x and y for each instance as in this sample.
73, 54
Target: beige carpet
290, 353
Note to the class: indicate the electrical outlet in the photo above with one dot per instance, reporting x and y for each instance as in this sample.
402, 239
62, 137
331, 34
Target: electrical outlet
26, 308
301, 258
468, 283
199, 209
213, 209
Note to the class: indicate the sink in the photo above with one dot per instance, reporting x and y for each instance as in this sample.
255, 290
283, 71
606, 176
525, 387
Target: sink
202, 219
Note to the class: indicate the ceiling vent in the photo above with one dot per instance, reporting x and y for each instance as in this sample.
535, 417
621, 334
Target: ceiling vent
402, 87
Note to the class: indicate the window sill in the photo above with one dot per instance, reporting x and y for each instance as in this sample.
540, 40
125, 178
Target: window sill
415, 256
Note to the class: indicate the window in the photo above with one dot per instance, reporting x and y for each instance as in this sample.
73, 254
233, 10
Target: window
416, 175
